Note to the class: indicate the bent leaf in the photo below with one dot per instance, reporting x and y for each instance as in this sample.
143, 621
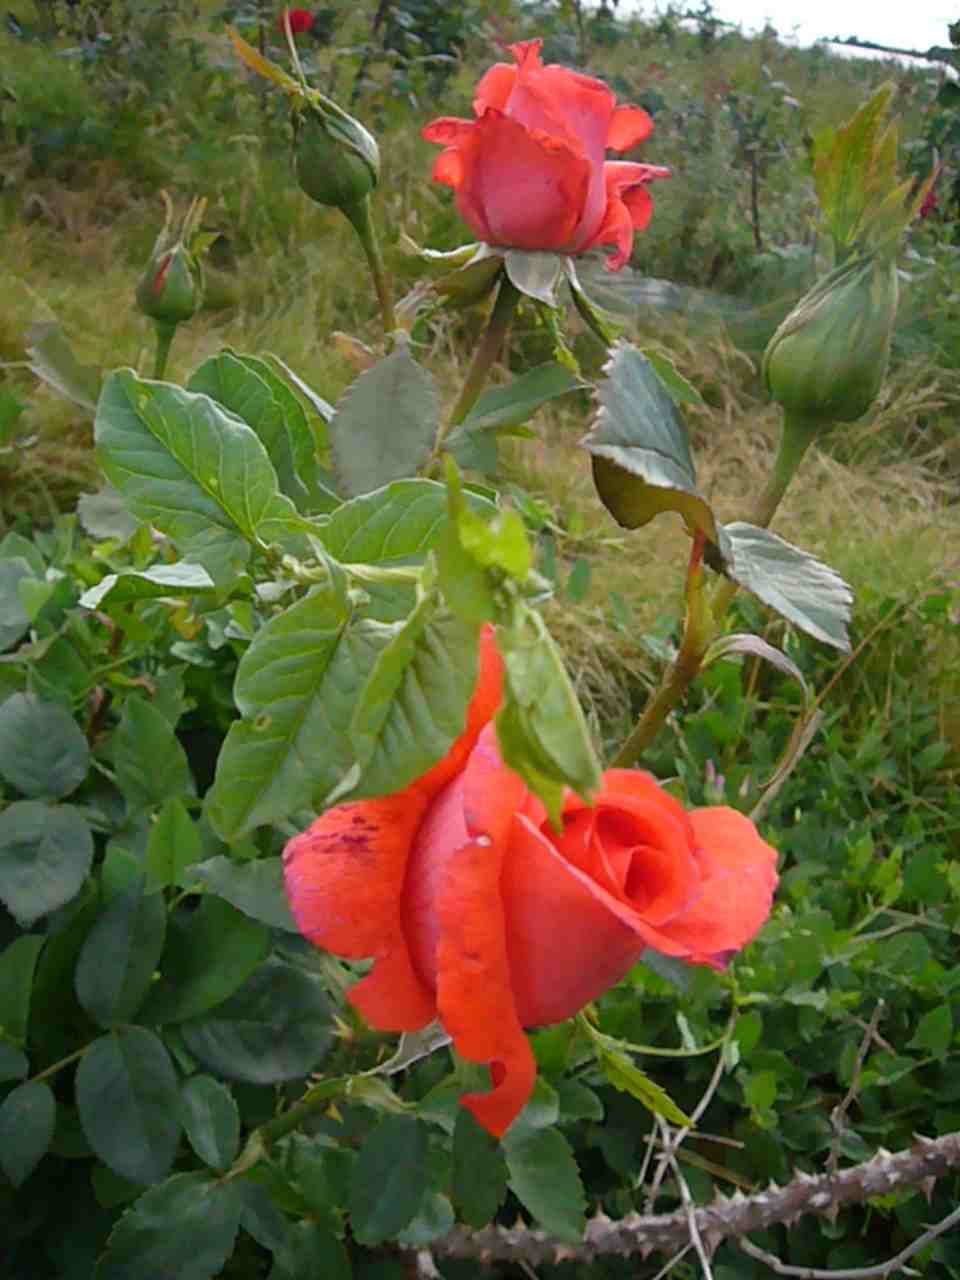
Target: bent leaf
642, 463
52, 360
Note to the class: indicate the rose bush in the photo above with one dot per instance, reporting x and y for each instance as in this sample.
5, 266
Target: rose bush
529, 172
477, 912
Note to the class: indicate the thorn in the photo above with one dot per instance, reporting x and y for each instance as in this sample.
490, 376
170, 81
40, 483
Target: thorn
926, 1186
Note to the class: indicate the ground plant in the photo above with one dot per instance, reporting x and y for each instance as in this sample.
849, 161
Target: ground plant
443, 825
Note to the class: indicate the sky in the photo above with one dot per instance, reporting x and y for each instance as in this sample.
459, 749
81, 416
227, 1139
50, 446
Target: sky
916, 25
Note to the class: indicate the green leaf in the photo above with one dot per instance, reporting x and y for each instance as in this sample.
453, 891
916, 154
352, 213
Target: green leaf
43, 752
681, 391
433, 1220
186, 465
27, 1119
127, 1096
150, 764
519, 400
45, 854
211, 1121
310, 1252
799, 587
224, 555
185, 1228
478, 1179
155, 583
210, 954
52, 360
174, 845
413, 706
18, 961
545, 1179
389, 1179
103, 515
14, 619
541, 728
642, 463
385, 425
117, 962
243, 385
934, 1033
255, 888
278, 1026
535, 273
628, 1078
13, 1064
10, 410
394, 526
293, 685
322, 408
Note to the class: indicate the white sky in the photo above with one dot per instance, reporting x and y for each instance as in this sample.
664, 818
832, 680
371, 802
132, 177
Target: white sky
916, 25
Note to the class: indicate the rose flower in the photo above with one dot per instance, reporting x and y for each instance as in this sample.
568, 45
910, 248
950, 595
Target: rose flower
529, 172
301, 21
479, 913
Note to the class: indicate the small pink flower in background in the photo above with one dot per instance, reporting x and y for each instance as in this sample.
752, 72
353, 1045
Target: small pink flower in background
930, 203
301, 21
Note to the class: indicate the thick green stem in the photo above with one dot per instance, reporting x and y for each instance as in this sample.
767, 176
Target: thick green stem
165, 334
359, 217
795, 439
697, 634
484, 358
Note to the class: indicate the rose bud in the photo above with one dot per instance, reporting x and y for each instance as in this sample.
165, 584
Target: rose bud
336, 158
477, 912
827, 361
529, 172
171, 289
301, 21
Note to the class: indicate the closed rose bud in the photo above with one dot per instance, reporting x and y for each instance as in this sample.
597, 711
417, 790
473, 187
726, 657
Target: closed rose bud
171, 289
827, 361
336, 158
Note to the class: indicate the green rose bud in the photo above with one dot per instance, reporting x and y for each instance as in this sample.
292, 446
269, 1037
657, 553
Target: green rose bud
171, 289
337, 160
827, 361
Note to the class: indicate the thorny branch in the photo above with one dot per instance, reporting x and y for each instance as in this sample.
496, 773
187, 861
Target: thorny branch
733, 1216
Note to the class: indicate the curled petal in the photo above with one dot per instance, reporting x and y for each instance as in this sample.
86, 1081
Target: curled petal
629, 207
446, 131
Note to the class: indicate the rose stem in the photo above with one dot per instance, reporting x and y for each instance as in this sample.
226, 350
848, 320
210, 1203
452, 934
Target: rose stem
165, 334
697, 633
701, 623
508, 295
362, 223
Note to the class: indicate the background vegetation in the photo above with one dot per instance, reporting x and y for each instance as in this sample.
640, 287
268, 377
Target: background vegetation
103, 105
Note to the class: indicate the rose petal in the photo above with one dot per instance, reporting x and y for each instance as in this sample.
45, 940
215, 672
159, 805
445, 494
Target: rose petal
629, 126
739, 873
474, 983
446, 131
629, 208
568, 938
344, 876
518, 189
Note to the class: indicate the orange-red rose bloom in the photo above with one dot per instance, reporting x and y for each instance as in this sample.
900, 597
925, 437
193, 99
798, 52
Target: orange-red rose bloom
477, 912
529, 172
